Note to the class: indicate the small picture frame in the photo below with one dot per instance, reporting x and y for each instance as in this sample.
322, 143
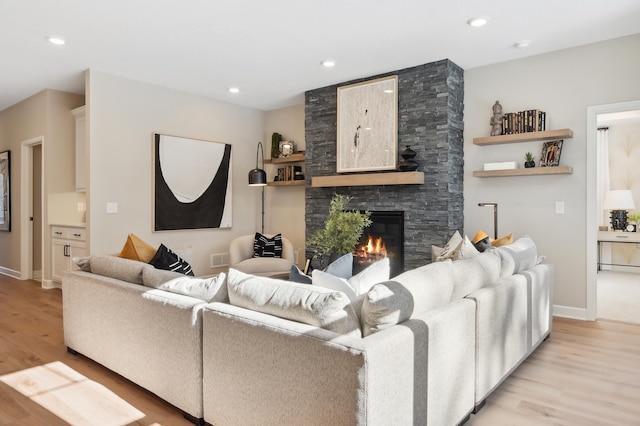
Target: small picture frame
551, 153
285, 149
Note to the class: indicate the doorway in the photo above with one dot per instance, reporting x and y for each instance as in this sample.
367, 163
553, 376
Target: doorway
31, 200
611, 294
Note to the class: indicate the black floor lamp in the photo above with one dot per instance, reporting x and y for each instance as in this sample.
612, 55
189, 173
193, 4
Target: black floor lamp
495, 217
258, 177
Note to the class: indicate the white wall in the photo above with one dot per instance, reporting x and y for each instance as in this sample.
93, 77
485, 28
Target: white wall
563, 84
122, 115
284, 205
45, 115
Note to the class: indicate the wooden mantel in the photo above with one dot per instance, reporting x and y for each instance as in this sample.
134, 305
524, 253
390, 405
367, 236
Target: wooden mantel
368, 179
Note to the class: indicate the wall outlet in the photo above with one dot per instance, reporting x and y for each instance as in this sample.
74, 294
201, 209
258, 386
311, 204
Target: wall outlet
81, 207
112, 207
559, 207
219, 259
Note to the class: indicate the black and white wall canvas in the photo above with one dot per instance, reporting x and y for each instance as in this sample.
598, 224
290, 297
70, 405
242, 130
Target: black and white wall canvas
192, 183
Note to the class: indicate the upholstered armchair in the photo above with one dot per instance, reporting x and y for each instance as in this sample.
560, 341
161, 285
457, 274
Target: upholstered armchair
241, 252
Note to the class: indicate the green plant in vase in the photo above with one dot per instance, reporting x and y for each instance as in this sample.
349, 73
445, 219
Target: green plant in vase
634, 218
341, 231
529, 161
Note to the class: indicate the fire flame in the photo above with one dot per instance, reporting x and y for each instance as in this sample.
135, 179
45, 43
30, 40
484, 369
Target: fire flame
374, 247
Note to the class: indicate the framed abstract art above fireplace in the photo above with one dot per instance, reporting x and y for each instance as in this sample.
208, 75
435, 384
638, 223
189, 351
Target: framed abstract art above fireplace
191, 183
367, 126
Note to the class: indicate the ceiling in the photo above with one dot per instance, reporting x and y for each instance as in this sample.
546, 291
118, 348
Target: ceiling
272, 50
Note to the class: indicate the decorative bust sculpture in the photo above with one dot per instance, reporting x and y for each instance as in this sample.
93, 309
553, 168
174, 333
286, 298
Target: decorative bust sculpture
496, 119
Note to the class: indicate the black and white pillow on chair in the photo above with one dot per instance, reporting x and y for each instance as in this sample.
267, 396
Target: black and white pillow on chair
264, 246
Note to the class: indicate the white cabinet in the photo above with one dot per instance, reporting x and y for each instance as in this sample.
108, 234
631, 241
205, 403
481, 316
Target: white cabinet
66, 243
81, 149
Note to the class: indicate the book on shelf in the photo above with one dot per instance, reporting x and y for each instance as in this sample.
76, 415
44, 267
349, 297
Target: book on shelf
288, 173
533, 120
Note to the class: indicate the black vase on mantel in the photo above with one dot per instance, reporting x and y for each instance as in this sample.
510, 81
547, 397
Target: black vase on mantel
408, 164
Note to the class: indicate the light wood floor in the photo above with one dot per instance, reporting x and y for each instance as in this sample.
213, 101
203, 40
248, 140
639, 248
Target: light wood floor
587, 373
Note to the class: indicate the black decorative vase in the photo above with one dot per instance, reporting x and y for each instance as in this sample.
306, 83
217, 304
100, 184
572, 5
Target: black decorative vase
408, 164
529, 164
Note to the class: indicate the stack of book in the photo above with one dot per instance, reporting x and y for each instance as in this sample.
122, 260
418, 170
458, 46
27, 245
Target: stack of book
289, 173
532, 120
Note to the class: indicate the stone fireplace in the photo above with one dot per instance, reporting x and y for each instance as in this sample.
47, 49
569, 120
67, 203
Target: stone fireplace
430, 120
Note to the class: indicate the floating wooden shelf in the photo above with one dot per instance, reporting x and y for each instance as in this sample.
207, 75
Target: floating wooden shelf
369, 179
286, 183
533, 171
294, 158
525, 137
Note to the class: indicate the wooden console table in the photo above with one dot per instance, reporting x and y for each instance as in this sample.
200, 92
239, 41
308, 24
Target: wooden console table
616, 237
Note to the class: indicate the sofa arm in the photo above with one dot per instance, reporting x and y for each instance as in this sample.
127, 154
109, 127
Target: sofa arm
137, 332
540, 281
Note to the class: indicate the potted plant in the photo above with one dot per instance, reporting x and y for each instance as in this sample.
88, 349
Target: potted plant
529, 162
634, 218
341, 231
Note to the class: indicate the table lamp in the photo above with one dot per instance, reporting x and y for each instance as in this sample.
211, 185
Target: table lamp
619, 201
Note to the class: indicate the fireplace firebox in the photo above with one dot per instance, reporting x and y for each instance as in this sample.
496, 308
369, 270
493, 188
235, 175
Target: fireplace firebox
383, 238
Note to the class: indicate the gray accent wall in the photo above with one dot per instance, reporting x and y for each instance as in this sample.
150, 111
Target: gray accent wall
430, 120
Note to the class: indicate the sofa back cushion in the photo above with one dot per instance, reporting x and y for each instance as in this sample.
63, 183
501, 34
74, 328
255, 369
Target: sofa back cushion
304, 303
117, 267
519, 256
210, 289
410, 293
477, 272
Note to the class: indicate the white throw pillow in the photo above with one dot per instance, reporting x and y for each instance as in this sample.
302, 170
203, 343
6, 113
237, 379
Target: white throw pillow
326, 280
358, 284
450, 250
208, 289
309, 304
466, 250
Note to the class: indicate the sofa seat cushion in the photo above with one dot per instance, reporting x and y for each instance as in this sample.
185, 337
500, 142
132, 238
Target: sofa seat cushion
209, 289
477, 272
264, 266
304, 303
410, 293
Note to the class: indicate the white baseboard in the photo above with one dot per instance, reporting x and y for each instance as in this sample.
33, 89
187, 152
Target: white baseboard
570, 312
49, 284
10, 272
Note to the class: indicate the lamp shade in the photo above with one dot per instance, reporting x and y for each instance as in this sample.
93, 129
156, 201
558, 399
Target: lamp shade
619, 199
257, 177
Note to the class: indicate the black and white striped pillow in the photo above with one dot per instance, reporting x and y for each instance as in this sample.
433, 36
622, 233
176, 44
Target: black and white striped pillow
169, 261
267, 247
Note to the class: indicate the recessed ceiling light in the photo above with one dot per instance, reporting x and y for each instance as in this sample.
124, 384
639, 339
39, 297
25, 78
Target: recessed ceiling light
329, 63
523, 44
234, 90
56, 40
388, 91
478, 21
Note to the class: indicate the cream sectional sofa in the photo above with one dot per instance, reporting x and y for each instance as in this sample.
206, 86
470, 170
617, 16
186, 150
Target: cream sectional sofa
425, 348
